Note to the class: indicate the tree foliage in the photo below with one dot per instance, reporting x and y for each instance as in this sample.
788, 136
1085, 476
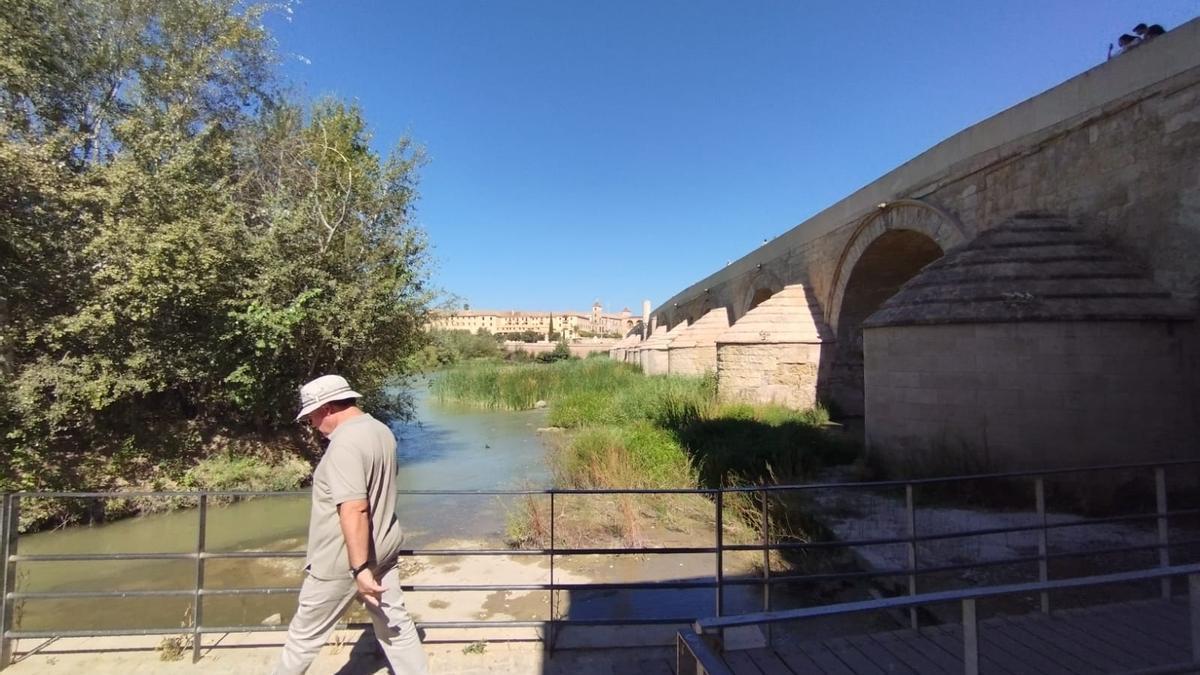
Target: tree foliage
181, 246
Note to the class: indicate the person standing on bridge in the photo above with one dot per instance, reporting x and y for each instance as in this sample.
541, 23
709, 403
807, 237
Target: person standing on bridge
353, 535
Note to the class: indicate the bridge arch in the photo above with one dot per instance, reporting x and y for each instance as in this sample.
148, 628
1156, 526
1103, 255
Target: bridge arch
886, 249
912, 215
760, 288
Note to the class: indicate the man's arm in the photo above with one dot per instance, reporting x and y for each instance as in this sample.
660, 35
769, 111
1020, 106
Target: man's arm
355, 519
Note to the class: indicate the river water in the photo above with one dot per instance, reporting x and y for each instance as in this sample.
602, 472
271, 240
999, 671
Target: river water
442, 449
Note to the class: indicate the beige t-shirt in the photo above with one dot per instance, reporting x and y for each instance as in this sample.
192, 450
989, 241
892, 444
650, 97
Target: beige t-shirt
360, 463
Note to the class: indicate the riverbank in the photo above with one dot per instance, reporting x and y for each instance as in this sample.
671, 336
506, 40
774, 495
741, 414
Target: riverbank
615, 428
249, 462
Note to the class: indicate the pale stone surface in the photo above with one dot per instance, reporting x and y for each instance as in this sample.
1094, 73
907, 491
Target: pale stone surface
619, 350
694, 351
785, 374
791, 315
654, 351
773, 353
1035, 394
581, 349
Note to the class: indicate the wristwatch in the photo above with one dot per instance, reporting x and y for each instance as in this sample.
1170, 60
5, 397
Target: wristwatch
355, 571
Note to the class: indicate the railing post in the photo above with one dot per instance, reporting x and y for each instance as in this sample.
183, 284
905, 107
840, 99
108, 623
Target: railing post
912, 552
970, 638
1194, 614
720, 501
766, 563
10, 527
198, 602
551, 632
4, 498
1164, 554
686, 662
1039, 488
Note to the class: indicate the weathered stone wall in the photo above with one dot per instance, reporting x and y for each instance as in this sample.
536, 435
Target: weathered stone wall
692, 360
1031, 395
578, 350
769, 373
655, 361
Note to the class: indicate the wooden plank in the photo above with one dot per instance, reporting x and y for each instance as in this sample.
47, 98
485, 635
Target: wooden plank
799, 662
741, 663
1104, 629
1066, 632
1017, 656
825, 658
768, 662
1123, 651
1042, 630
1068, 628
908, 648
1141, 653
1157, 618
1043, 647
848, 654
948, 638
648, 667
884, 659
1144, 620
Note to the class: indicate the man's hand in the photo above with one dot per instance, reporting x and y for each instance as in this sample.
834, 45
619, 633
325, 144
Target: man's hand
369, 589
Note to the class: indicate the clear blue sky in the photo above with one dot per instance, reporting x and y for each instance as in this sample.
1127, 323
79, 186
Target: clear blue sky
624, 149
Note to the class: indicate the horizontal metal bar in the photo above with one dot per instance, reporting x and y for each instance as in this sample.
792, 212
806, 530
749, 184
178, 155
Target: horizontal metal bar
474, 551
632, 586
413, 588
219, 555
781, 546
812, 578
250, 591
61, 595
652, 621
802, 545
80, 557
450, 588
784, 546
707, 660
649, 585
638, 551
906, 601
591, 491
303, 493
961, 478
257, 628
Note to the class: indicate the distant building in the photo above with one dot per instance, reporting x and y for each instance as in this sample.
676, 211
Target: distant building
571, 324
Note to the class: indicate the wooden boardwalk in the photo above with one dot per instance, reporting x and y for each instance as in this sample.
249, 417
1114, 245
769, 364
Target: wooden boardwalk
1119, 638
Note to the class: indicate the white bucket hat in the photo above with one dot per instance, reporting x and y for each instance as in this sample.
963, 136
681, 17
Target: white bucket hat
323, 390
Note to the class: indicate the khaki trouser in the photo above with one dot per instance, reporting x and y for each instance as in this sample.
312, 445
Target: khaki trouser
322, 604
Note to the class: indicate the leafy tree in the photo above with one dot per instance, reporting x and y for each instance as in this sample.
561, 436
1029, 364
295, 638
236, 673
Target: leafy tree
181, 246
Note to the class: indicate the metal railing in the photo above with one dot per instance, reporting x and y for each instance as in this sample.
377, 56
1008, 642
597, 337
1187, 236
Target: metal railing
699, 651
10, 507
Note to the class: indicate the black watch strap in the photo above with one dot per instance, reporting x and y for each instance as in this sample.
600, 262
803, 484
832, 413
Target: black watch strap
355, 571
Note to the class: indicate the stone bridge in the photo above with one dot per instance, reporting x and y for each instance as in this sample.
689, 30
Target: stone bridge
1023, 293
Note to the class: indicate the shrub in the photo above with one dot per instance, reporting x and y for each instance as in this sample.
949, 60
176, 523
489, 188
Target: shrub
246, 473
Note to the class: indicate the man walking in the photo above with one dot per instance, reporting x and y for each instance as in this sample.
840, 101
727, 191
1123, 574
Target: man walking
353, 535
